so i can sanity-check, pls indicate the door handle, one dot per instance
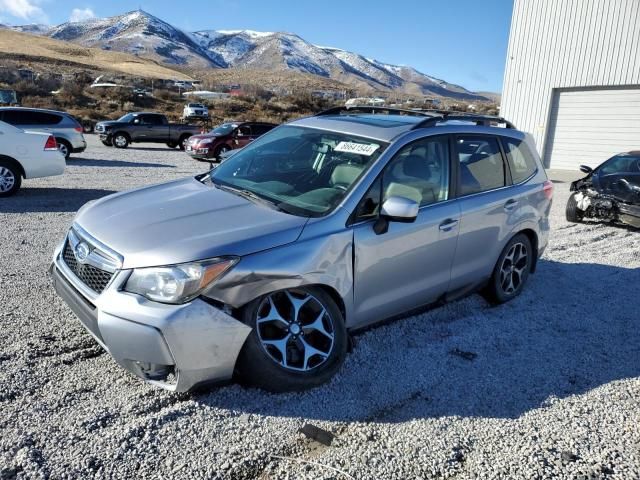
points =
(510, 205)
(448, 224)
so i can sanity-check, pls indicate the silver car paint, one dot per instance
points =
(370, 276)
(183, 221)
(65, 129)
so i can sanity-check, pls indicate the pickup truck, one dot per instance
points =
(144, 127)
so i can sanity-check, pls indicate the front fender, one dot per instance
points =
(324, 260)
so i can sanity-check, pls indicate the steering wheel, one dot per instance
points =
(341, 187)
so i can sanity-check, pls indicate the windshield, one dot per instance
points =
(622, 163)
(224, 129)
(196, 105)
(127, 118)
(301, 170)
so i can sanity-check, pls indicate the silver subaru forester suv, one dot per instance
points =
(261, 268)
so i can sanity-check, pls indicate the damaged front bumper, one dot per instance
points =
(175, 347)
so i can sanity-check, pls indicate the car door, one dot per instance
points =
(410, 264)
(487, 206)
(620, 177)
(151, 129)
(242, 136)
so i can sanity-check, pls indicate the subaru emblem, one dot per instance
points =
(81, 252)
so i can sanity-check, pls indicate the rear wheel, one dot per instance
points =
(572, 212)
(511, 271)
(120, 140)
(172, 144)
(298, 340)
(183, 142)
(10, 179)
(64, 147)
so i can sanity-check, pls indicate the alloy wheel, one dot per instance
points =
(7, 179)
(514, 264)
(63, 149)
(120, 141)
(295, 330)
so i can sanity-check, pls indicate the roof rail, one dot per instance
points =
(372, 109)
(483, 120)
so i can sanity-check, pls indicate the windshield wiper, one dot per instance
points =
(251, 195)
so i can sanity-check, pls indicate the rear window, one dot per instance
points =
(30, 118)
(521, 160)
(260, 129)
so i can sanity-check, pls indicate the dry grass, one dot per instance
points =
(32, 48)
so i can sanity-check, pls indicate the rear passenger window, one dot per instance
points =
(30, 117)
(521, 161)
(481, 164)
(260, 129)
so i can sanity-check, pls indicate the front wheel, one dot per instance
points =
(107, 143)
(511, 271)
(298, 341)
(10, 179)
(120, 140)
(572, 212)
(220, 151)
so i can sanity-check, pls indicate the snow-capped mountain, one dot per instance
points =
(141, 33)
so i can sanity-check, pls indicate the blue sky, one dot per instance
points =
(461, 41)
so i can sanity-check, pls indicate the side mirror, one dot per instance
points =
(586, 169)
(396, 209)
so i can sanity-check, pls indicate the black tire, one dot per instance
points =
(107, 143)
(220, 150)
(120, 140)
(183, 142)
(572, 212)
(172, 144)
(64, 147)
(258, 368)
(499, 290)
(10, 178)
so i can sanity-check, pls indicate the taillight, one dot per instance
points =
(547, 188)
(78, 129)
(51, 143)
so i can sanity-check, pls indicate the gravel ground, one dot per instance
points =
(549, 387)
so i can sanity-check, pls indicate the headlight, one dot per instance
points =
(177, 283)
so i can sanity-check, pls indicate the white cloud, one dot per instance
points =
(80, 14)
(24, 9)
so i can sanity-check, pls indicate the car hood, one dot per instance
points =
(183, 221)
(197, 138)
(111, 123)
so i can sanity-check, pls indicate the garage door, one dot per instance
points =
(589, 126)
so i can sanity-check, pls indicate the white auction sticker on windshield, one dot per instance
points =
(357, 148)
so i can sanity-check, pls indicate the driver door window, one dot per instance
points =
(419, 171)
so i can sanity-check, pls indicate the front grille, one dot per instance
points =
(94, 278)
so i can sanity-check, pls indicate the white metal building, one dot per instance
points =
(572, 78)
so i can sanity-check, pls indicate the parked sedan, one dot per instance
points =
(66, 130)
(26, 155)
(224, 138)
